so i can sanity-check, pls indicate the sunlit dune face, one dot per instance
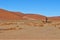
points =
(8, 15)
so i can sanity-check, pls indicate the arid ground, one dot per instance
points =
(17, 25)
(29, 29)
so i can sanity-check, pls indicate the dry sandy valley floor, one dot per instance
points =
(29, 29)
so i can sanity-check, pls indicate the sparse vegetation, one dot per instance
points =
(49, 21)
(8, 29)
(17, 26)
(58, 27)
(20, 28)
(9, 23)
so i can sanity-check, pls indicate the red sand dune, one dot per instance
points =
(8, 15)
(34, 17)
(55, 18)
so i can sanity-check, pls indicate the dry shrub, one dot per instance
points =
(53, 25)
(58, 27)
(44, 22)
(17, 26)
(8, 23)
(12, 28)
(47, 22)
(41, 25)
(58, 24)
(9, 29)
(29, 24)
(38, 24)
(3, 29)
(20, 28)
(35, 24)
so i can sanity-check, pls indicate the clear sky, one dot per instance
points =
(43, 7)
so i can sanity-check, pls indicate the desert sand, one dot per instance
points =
(29, 29)
(16, 25)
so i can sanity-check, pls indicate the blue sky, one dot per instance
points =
(43, 7)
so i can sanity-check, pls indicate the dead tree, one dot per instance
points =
(46, 19)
